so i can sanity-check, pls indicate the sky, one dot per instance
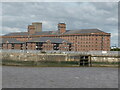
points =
(16, 16)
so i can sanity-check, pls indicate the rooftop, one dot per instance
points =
(81, 31)
(10, 40)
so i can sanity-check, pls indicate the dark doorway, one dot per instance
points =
(84, 60)
(39, 45)
(56, 46)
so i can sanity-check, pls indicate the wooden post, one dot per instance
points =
(90, 64)
(79, 60)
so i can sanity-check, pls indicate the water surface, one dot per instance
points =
(59, 77)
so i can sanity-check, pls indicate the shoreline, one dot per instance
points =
(55, 64)
(107, 66)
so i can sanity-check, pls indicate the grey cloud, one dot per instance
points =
(75, 15)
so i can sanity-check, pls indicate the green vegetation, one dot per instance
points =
(41, 63)
(108, 63)
(54, 63)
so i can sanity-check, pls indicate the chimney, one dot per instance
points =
(38, 26)
(62, 27)
(31, 29)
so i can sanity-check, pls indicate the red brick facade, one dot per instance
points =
(80, 41)
(31, 29)
(62, 27)
(89, 42)
(48, 46)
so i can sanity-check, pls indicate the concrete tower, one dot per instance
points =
(38, 26)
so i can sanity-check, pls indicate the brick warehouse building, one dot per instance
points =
(61, 39)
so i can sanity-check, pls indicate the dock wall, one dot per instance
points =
(21, 56)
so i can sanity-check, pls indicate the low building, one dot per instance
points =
(42, 43)
(12, 43)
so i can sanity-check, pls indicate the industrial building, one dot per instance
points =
(65, 40)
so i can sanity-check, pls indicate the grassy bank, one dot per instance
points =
(109, 63)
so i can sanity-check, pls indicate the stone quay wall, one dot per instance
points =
(23, 56)
(34, 57)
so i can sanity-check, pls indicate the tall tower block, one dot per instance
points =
(38, 26)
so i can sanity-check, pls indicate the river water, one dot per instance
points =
(59, 77)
